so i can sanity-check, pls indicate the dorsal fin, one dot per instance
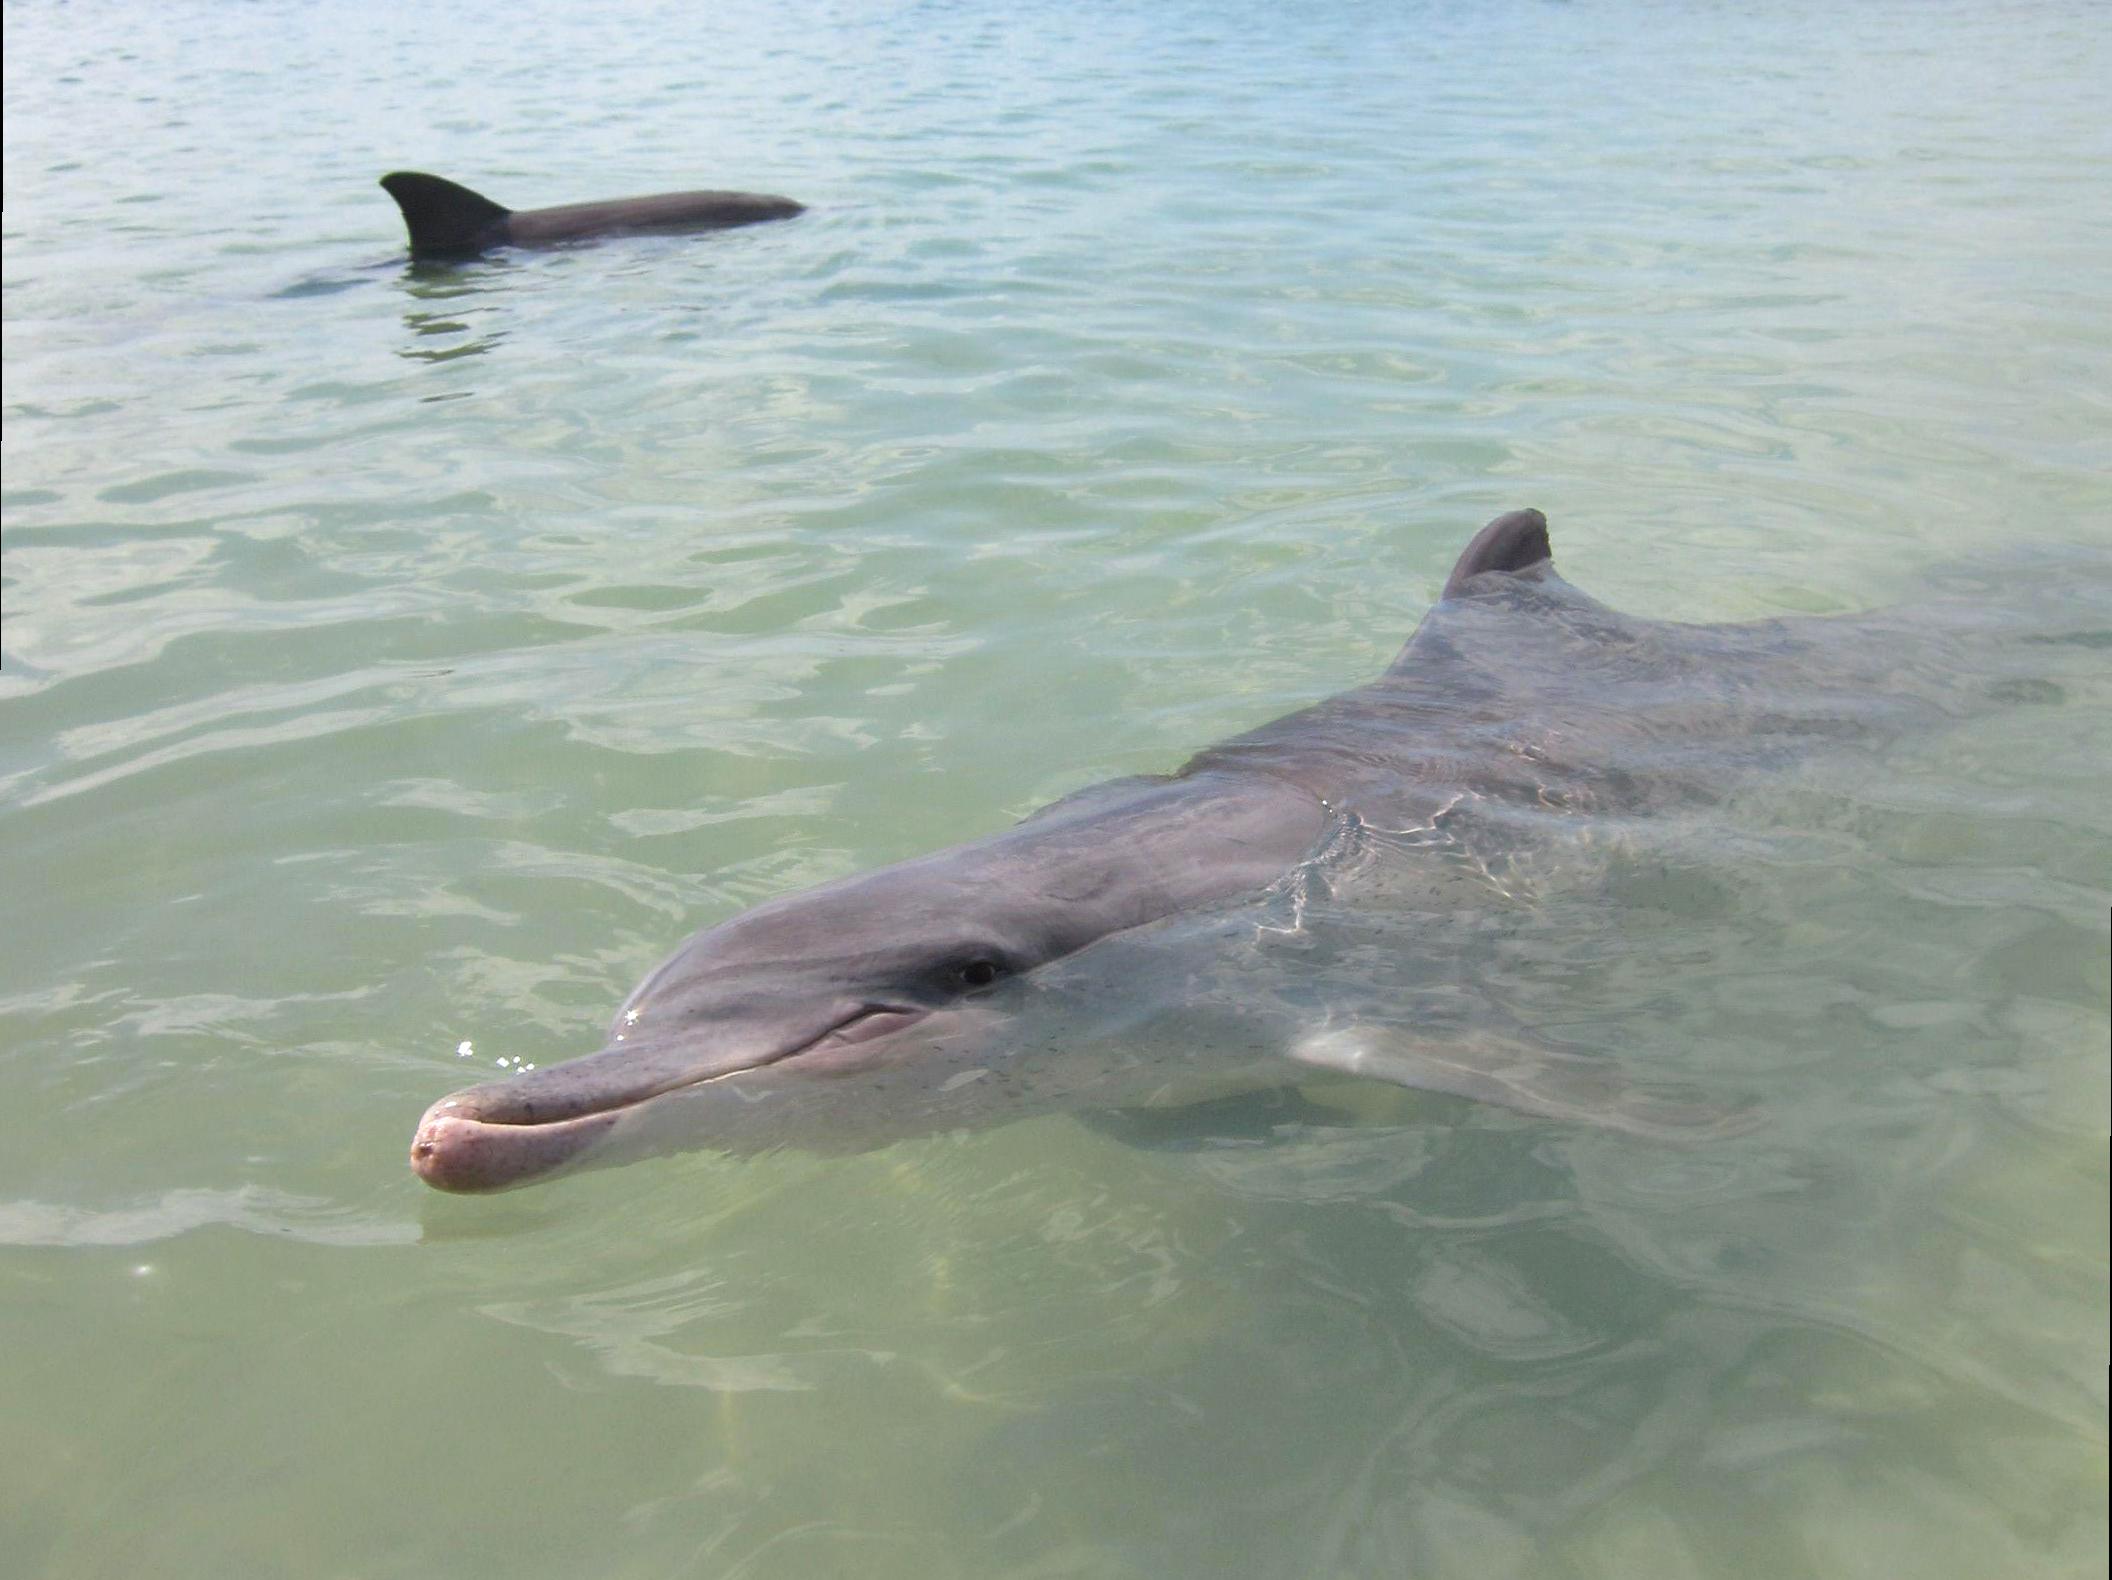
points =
(445, 220)
(1516, 542)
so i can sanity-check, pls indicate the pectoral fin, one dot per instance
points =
(1515, 1070)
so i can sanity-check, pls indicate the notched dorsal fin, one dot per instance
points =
(444, 219)
(1516, 542)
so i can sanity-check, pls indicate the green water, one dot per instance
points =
(396, 658)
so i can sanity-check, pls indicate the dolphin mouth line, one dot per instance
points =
(466, 1152)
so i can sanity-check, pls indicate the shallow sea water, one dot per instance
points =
(396, 657)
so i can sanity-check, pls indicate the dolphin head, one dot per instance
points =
(918, 968)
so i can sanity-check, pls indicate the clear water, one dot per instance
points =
(397, 657)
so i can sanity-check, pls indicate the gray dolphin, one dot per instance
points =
(450, 221)
(1113, 948)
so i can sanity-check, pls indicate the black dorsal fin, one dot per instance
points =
(445, 220)
(1516, 542)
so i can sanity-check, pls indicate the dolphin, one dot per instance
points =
(450, 221)
(1125, 946)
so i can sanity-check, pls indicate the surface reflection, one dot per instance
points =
(451, 306)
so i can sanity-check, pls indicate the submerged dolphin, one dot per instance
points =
(1105, 951)
(450, 221)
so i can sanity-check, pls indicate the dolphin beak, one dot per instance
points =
(456, 1152)
(510, 1132)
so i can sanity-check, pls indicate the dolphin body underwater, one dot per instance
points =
(1256, 917)
(450, 221)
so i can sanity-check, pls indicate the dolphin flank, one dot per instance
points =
(1109, 950)
(450, 221)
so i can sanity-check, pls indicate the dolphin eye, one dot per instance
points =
(981, 973)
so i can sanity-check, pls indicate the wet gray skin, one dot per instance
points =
(1113, 949)
(450, 221)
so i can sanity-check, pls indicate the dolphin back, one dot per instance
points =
(445, 220)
